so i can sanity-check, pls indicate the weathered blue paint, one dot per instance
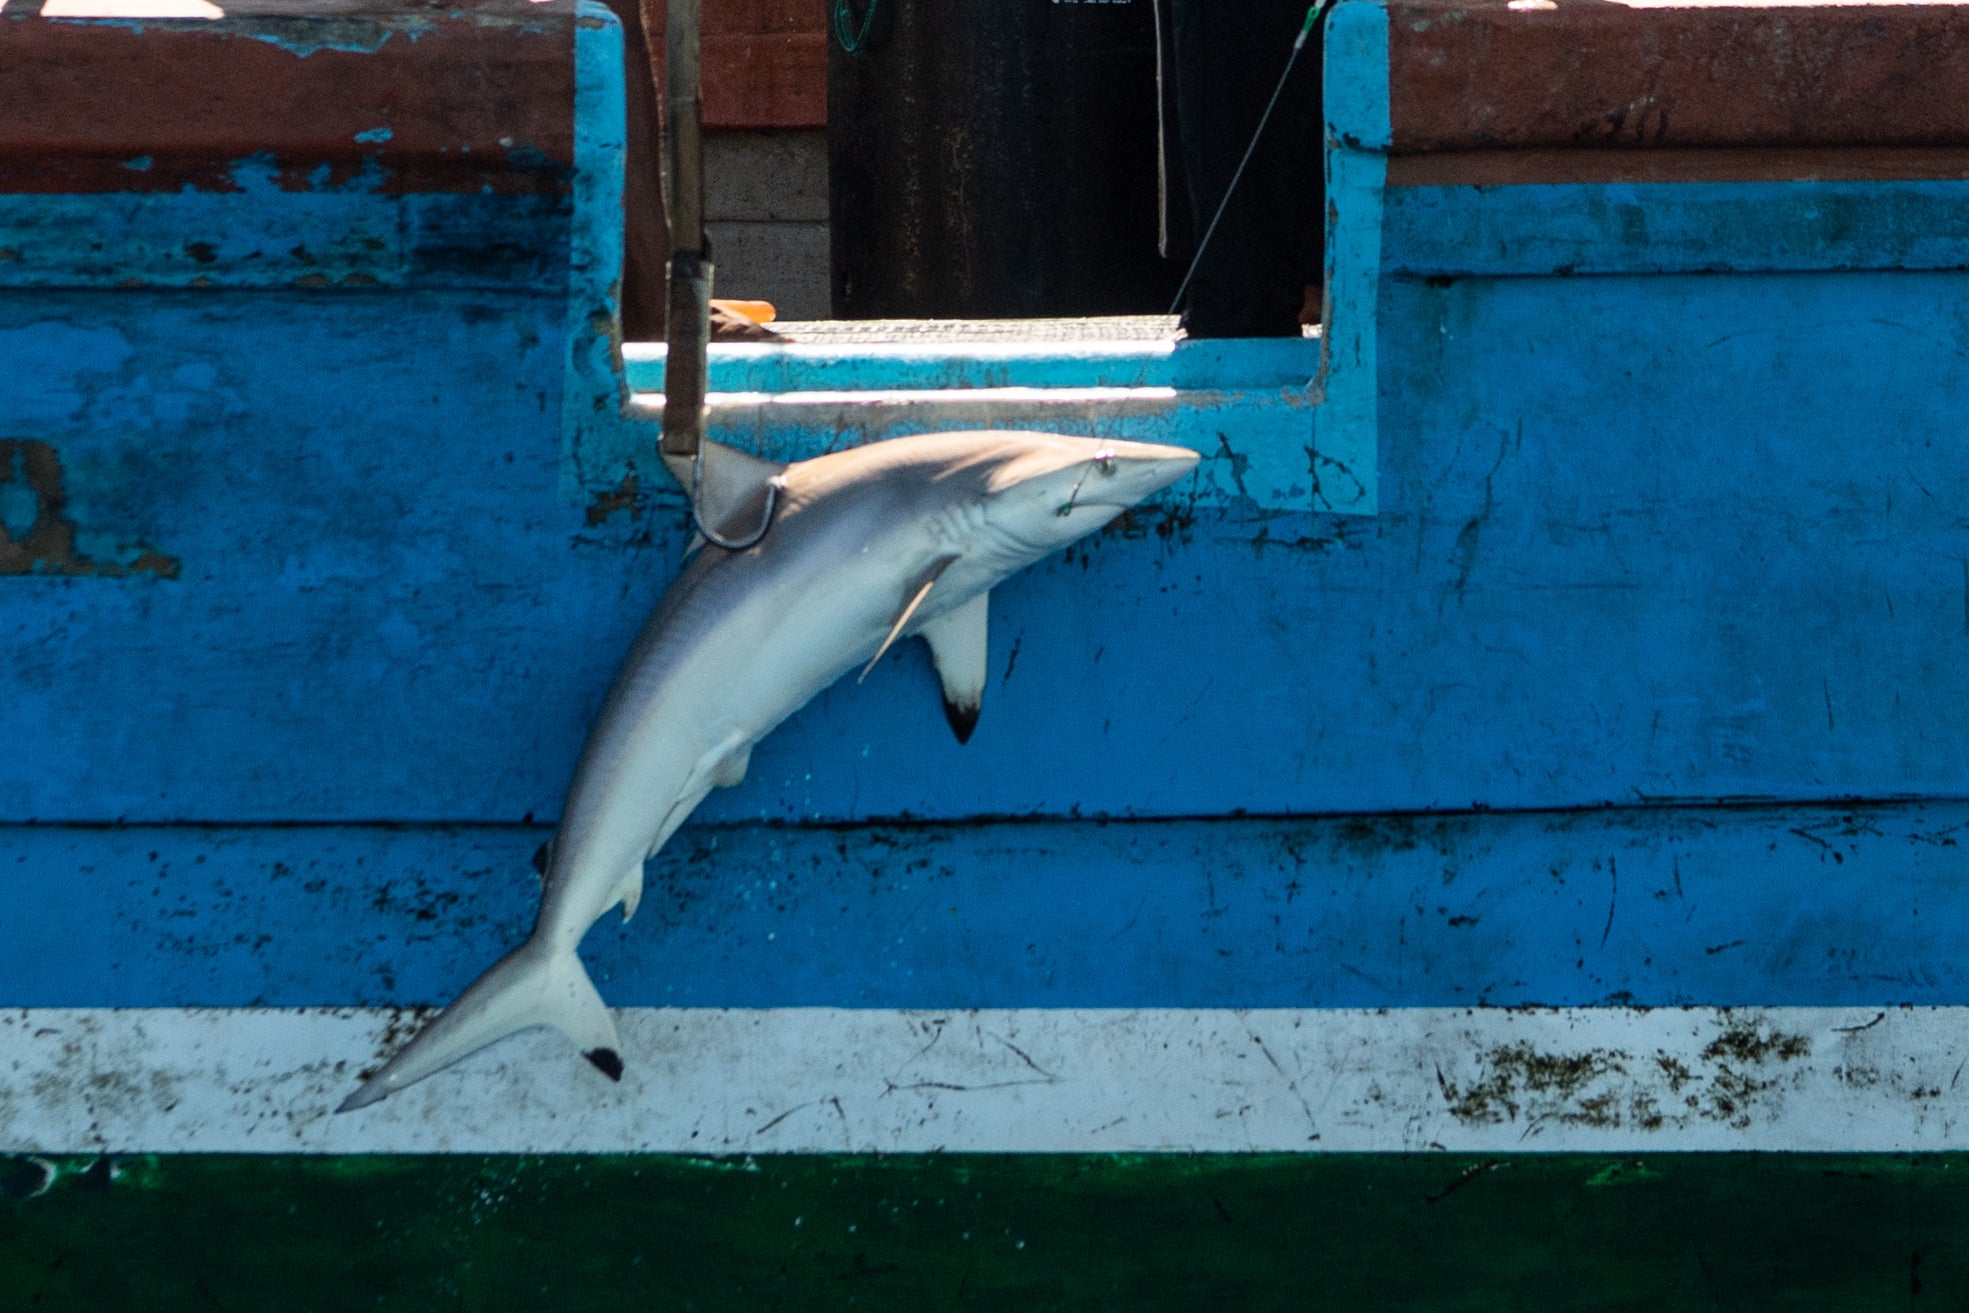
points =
(1357, 137)
(1206, 365)
(1678, 227)
(593, 396)
(349, 236)
(1256, 456)
(1680, 562)
(1246, 407)
(1779, 906)
(1644, 538)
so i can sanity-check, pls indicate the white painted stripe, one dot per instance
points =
(829, 1081)
(952, 405)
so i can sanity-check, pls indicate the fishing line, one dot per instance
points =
(1298, 44)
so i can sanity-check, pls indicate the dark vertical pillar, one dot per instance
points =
(1226, 60)
(646, 231)
(995, 158)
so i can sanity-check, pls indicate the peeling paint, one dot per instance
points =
(45, 544)
(623, 498)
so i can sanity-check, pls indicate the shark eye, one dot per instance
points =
(1104, 461)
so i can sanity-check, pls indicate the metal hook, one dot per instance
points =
(711, 535)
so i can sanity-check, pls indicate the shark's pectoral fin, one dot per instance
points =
(957, 645)
(913, 600)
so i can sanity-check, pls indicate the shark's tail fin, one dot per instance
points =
(537, 984)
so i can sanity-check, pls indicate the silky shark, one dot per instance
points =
(866, 546)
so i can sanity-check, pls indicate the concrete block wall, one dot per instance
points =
(765, 116)
(766, 207)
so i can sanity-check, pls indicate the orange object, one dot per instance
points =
(759, 312)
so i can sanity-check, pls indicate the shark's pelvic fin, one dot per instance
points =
(723, 766)
(957, 645)
(909, 605)
(537, 984)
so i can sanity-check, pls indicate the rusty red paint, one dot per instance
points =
(450, 101)
(1472, 76)
(765, 62)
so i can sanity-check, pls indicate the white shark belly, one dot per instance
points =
(684, 719)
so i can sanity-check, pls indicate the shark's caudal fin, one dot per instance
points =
(536, 984)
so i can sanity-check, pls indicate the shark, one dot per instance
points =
(863, 547)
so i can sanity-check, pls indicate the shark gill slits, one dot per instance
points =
(607, 1061)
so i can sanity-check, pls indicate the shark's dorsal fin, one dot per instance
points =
(910, 603)
(957, 645)
(732, 489)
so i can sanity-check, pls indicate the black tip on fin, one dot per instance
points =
(962, 719)
(607, 1061)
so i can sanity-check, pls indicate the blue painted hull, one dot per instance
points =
(1582, 621)
(1759, 906)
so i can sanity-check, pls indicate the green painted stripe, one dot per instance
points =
(1018, 1233)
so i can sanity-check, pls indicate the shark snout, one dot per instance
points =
(1137, 470)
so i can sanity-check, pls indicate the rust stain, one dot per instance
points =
(400, 1025)
(48, 545)
(1167, 520)
(75, 1079)
(623, 497)
(1520, 1071)
(1729, 1082)
(1746, 1042)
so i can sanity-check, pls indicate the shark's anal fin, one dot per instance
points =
(909, 605)
(957, 645)
(629, 890)
(730, 772)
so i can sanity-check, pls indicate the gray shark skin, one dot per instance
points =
(895, 539)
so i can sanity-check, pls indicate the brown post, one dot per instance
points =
(689, 326)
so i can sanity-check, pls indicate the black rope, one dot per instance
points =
(1298, 44)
